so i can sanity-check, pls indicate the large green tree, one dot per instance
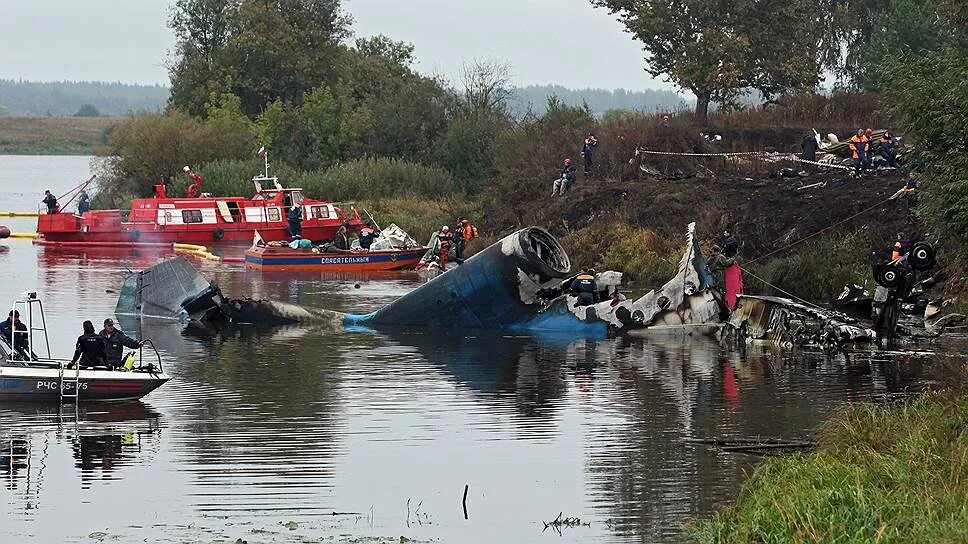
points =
(717, 49)
(258, 50)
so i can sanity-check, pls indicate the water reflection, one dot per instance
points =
(102, 440)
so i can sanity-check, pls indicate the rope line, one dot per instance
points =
(787, 293)
(819, 232)
(762, 155)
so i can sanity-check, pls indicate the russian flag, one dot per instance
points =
(262, 152)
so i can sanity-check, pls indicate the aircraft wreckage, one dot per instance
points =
(519, 284)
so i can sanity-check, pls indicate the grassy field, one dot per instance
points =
(890, 474)
(53, 135)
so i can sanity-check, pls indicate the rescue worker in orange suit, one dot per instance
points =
(195, 188)
(588, 152)
(584, 287)
(446, 239)
(900, 247)
(888, 149)
(858, 145)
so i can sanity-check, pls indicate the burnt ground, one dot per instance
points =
(766, 211)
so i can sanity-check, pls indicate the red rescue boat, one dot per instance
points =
(204, 219)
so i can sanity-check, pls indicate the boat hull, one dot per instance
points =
(43, 384)
(206, 236)
(286, 259)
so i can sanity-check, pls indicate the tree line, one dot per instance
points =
(91, 98)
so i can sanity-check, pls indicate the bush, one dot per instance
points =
(642, 255)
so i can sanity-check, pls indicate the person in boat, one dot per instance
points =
(446, 239)
(367, 235)
(342, 239)
(91, 348)
(115, 342)
(50, 201)
(295, 221)
(584, 287)
(14, 332)
(83, 202)
(300, 243)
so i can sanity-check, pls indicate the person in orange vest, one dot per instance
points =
(900, 247)
(367, 234)
(463, 234)
(858, 145)
(446, 239)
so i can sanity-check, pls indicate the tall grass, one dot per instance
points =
(881, 474)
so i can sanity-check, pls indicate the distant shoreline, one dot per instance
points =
(54, 135)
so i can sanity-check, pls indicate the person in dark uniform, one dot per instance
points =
(729, 244)
(588, 152)
(809, 145)
(50, 201)
(584, 287)
(367, 235)
(460, 242)
(115, 342)
(295, 221)
(83, 203)
(16, 328)
(90, 348)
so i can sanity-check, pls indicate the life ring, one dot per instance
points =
(135, 235)
(218, 233)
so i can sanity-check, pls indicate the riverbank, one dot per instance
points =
(880, 474)
(54, 135)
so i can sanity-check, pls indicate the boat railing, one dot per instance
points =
(150, 367)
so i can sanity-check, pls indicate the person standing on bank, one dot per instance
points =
(115, 342)
(588, 152)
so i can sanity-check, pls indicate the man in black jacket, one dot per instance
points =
(90, 348)
(14, 327)
(115, 342)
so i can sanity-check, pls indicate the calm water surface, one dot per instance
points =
(367, 437)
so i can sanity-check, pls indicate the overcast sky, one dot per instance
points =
(568, 42)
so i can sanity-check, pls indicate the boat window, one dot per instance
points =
(319, 212)
(274, 214)
(191, 216)
(297, 198)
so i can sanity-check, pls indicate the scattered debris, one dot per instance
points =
(560, 523)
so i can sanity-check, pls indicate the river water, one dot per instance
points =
(300, 435)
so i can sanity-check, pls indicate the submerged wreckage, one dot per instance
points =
(519, 284)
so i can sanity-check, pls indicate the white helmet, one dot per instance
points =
(445, 228)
